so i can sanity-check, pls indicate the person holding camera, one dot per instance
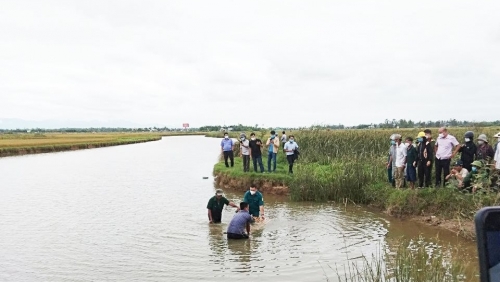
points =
(273, 144)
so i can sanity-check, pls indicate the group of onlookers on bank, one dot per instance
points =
(477, 168)
(252, 149)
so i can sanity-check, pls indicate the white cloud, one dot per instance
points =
(276, 63)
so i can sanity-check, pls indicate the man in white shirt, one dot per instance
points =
(497, 152)
(445, 145)
(400, 161)
(458, 173)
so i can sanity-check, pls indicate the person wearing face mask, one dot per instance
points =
(227, 147)
(424, 159)
(255, 201)
(477, 178)
(290, 148)
(256, 153)
(484, 150)
(273, 144)
(411, 162)
(391, 162)
(445, 146)
(467, 150)
(401, 152)
(245, 152)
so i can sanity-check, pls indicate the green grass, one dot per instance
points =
(281, 175)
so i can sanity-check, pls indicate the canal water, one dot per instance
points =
(138, 213)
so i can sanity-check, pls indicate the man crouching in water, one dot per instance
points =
(240, 222)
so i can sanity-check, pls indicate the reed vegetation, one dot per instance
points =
(411, 260)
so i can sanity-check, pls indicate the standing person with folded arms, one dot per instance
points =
(444, 148)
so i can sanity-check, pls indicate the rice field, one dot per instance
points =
(18, 144)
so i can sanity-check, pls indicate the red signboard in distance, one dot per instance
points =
(185, 125)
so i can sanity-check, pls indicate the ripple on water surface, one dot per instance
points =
(137, 213)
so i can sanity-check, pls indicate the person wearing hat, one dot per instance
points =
(467, 150)
(245, 152)
(484, 150)
(425, 158)
(476, 179)
(457, 174)
(216, 205)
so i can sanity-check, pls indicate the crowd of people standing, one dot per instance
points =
(477, 167)
(252, 150)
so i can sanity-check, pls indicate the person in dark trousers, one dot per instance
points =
(256, 152)
(216, 205)
(227, 147)
(467, 150)
(290, 148)
(425, 157)
(411, 162)
(444, 148)
(240, 223)
(273, 144)
(245, 152)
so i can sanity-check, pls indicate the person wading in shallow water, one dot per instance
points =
(240, 223)
(216, 205)
(255, 201)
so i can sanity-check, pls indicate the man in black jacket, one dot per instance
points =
(424, 159)
(467, 150)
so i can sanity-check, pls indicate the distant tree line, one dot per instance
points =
(402, 123)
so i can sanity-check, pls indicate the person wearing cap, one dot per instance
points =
(484, 150)
(273, 144)
(240, 223)
(216, 205)
(467, 150)
(227, 147)
(425, 157)
(245, 152)
(290, 148)
(255, 200)
(477, 178)
(457, 174)
(445, 145)
(401, 152)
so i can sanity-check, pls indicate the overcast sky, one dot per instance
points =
(276, 63)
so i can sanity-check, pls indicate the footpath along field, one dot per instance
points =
(25, 143)
(349, 166)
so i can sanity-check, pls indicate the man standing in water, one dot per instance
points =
(227, 146)
(255, 201)
(216, 205)
(240, 222)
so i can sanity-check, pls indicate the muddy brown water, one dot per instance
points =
(138, 213)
